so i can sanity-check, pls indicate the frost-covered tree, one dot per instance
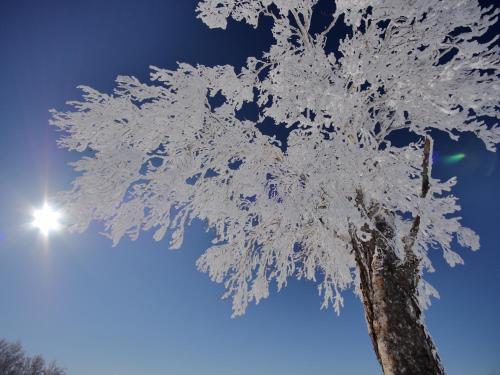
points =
(14, 361)
(339, 204)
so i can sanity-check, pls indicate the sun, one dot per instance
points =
(46, 219)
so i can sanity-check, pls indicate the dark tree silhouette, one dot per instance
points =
(14, 361)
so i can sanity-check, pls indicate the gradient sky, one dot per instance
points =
(141, 309)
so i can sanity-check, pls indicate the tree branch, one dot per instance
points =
(303, 31)
(410, 239)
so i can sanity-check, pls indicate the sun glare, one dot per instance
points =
(46, 219)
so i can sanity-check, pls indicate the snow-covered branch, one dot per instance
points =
(156, 156)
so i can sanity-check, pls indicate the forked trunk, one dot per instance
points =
(393, 315)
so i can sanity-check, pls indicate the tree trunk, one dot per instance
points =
(393, 315)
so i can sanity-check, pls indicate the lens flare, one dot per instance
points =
(455, 158)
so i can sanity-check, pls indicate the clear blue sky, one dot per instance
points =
(141, 309)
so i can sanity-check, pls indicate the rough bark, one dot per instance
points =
(389, 288)
(394, 318)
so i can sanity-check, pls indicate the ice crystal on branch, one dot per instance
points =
(162, 155)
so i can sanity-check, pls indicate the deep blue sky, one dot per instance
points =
(141, 309)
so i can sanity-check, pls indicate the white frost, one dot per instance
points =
(159, 156)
